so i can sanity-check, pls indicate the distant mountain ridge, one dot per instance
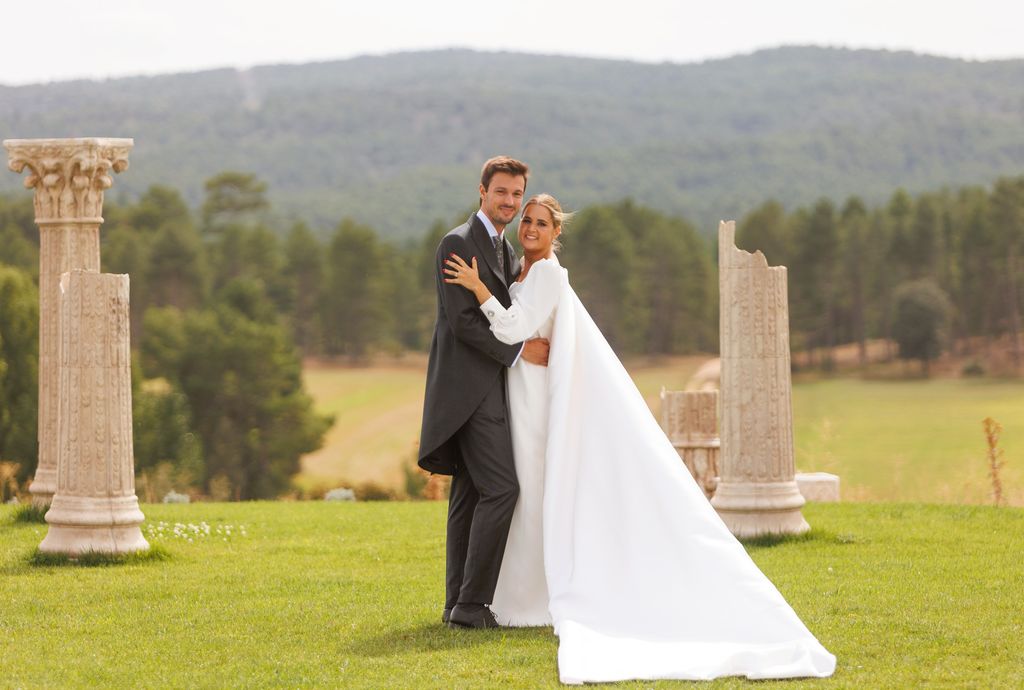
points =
(396, 141)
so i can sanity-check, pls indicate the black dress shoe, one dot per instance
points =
(475, 616)
(445, 615)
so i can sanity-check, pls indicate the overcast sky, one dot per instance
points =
(64, 39)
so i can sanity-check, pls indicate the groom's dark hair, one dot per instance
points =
(503, 164)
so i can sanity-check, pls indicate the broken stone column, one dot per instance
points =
(69, 177)
(757, 493)
(690, 419)
(94, 508)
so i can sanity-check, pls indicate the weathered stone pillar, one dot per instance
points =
(690, 419)
(68, 176)
(757, 493)
(95, 507)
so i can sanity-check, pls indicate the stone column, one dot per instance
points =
(757, 493)
(68, 176)
(94, 508)
(690, 419)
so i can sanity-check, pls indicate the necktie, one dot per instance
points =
(500, 252)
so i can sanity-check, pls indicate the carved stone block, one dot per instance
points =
(690, 420)
(94, 508)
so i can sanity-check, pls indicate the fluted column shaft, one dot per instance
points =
(757, 493)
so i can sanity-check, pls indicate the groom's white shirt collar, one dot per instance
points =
(488, 224)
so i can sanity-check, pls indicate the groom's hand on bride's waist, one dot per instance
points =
(535, 351)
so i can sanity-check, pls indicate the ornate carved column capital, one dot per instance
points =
(68, 175)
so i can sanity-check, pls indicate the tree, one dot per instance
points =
(601, 259)
(921, 320)
(177, 267)
(1008, 223)
(156, 208)
(812, 275)
(232, 198)
(19, 374)
(924, 239)
(303, 275)
(766, 229)
(125, 250)
(19, 236)
(242, 379)
(357, 314)
(853, 230)
(671, 295)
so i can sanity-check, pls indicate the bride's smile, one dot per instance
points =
(537, 232)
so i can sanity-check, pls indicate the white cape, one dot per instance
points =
(645, 580)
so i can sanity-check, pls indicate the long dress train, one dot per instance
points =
(643, 579)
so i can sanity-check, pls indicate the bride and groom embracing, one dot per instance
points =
(569, 506)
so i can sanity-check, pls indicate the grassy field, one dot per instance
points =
(317, 594)
(378, 411)
(909, 440)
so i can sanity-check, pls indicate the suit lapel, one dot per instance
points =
(483, 242)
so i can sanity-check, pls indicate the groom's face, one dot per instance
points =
(503, 197)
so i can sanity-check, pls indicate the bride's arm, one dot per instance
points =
(530, 308)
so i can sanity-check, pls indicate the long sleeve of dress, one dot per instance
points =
(530, 308)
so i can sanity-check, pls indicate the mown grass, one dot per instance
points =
(340, 594)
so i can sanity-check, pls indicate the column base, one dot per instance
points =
(43, 486)
(80, 524)
(759, 509)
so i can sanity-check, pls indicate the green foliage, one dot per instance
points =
(232, 198)
(19, 237)
(162, 431)
(19, 369)
(302, 278)
(601, 259)
(241, 377)
(357, 303)
(921, 322)
(176, 275)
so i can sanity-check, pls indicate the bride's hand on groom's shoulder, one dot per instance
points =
(458, 272)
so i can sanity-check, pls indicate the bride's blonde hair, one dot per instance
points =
(558, 216)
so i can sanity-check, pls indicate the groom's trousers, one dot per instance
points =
(483, 496)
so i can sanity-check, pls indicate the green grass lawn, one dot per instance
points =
(888, 440)
(331, 595)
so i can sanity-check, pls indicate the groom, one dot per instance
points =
(465, 414)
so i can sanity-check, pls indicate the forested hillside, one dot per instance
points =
(396, 142)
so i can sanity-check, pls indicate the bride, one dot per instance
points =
(612, 542)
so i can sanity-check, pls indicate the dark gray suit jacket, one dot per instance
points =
(465, 357)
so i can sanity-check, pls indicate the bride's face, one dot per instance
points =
(537, 230)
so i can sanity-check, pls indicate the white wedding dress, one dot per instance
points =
(612, 541)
